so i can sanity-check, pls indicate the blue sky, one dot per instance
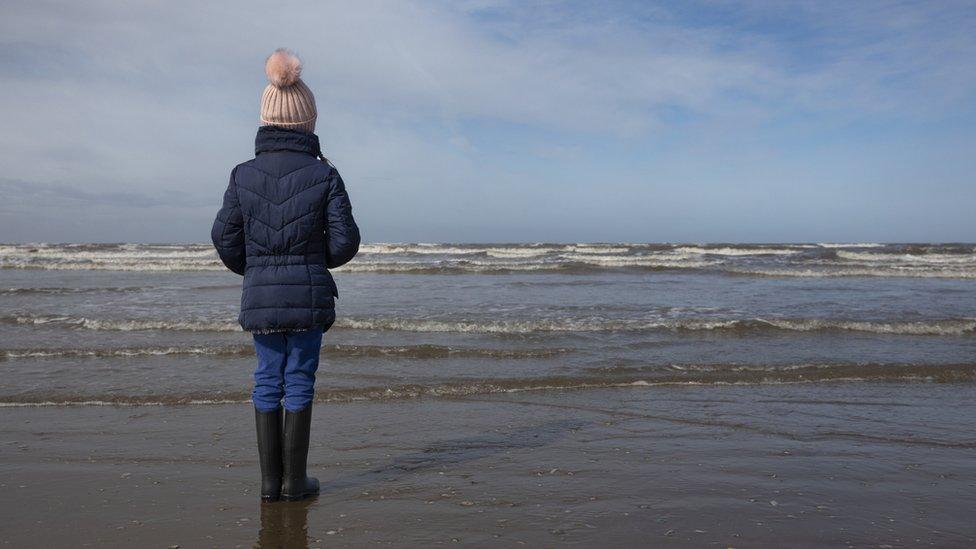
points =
(504, 121)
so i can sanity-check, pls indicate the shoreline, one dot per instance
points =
(472, 391)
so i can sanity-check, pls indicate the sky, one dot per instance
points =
(485, 121)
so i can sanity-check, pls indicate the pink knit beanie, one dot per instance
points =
(287, 101)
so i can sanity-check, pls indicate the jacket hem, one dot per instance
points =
(265, 331)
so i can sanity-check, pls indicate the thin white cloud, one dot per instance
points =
(135, 98)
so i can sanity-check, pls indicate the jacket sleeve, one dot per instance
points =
(342, 233)
(228, 231)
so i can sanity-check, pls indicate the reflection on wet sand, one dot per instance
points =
(284, 525)
(457, 451)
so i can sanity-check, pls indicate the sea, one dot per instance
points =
(155, 324)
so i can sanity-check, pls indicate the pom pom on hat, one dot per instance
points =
(287, 101)
(284, 68)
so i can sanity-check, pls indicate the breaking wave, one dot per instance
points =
(69, 291)
(124, 325)
(786, 260)
(948, 327)
(832, 272)
(424, 351)
(752, 251)
(909, 258)
(943, 327)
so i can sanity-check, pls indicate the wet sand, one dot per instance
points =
(802, 465)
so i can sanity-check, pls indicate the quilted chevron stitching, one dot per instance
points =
(279, 229)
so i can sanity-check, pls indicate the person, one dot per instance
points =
(285, 221)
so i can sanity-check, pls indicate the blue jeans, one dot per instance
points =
(287, 362)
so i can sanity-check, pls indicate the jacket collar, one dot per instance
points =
(274, 138)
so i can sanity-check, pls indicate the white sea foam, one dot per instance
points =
(128, 251)
(598, 249)
(880, 271)
(472, 266)
(128, 257)
(736, 251)
(450, 250)
(665, 260)
(124, 325)
(948, 327)
(922, 259)
(953, 327)
(122, 352)
(140, 266)
(425, 249)
(850, 245)
(528, 250)
(506, 253)
(788, 260)
(945, 327)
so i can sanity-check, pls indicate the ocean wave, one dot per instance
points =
(516, 253)
(850, 245)
(660, 260)
(834, 271)
(115, 257)
(635, 378)
(568, 263)
(944, 327)
(13, 354)
(737, 251)
(124, 325)
(67, 291)
(117, 265)
(420, 249)
(501, 251)
(449, 267)
(569, 266)
(949, 327)
(423, 351)
(928, 258)
(599, 249)
(578, 264)
(773, 260)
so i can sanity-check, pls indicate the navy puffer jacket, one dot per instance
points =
(285, 222)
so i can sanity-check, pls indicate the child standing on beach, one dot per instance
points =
(286, 220)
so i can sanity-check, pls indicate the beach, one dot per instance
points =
(627, 395)
(877, 465)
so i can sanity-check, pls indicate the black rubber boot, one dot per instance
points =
(295, 484)
(269, 449)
